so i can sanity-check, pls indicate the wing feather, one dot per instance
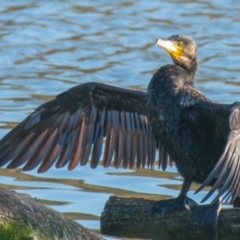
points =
(226, 172)
(71, 129)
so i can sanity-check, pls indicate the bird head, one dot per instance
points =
(182, 49)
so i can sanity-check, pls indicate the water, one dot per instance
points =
(47, 47)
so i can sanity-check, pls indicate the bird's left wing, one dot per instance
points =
(71, 129)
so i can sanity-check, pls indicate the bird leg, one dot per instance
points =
(207, 217)
(174, 204)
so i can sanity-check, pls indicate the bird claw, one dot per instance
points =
(171, 205)
(207, 217)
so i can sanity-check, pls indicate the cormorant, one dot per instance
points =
(201, 137)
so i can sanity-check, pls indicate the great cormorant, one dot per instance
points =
(201, 137)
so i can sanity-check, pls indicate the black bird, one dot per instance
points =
(201, 137)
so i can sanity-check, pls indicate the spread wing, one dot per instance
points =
(71, 128)
(226, 119)
(226, 172)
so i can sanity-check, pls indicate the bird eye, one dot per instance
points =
(179, 44)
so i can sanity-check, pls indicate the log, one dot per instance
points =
(129, 217)
(26, 218)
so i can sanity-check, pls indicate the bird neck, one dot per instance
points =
(192, 72)
(188, 70)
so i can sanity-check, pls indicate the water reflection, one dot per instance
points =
(47, 47)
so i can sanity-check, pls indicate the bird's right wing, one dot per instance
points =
(71, 128)
(226, 119)
(226, 172)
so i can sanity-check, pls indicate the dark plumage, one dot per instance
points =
(194, 130)
(66, 130)
(200, 136)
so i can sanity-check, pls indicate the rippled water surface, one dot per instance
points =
(47, 47)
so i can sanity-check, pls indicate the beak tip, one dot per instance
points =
(157, 42)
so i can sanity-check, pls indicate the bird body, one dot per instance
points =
(189, 134)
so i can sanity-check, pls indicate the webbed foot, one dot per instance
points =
(207, 217)
(171, 205)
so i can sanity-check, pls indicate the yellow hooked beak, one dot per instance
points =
(173, 48)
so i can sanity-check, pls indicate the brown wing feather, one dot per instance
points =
(71, 128)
